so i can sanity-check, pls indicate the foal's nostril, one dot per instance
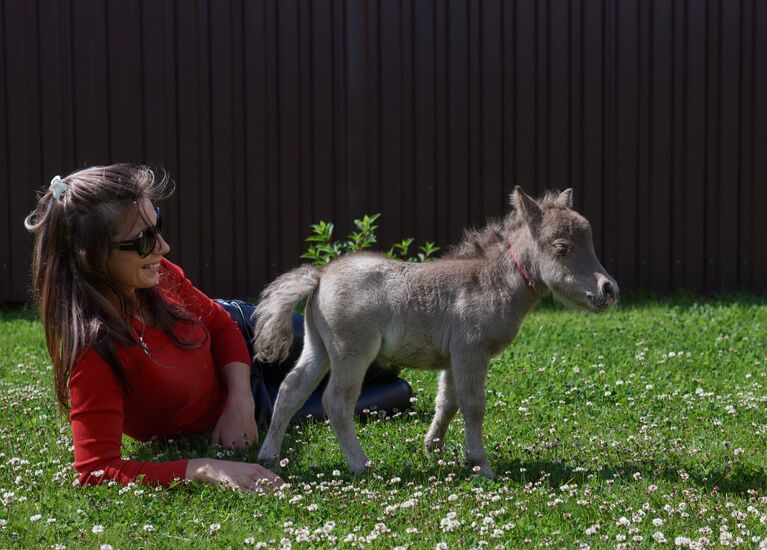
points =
(609, 291)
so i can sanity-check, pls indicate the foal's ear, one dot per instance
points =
(566, 198)
(525, 205)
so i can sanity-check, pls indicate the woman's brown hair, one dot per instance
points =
(80, 305)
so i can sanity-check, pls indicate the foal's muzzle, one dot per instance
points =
(607, 295)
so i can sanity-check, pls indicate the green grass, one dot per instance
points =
(649, 421)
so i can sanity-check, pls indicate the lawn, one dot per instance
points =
(644, 426)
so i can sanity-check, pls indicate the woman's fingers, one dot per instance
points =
(215, 438)
(264, 480)
(236, 475)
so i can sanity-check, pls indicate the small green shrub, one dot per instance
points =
(322, 248)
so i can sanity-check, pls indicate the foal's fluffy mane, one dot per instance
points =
(492, 240)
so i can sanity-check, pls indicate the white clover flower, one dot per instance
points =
(623, 522)
(148, 528)
(106, 547)
(658, 536)
(97, 529)
(593, 530)
(97, 473)
(250, 541)
(284, 462)
(36, 517)
(214, 527)
(441, 546)
(657, 522)
(682, 541)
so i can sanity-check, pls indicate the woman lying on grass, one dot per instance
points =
(136, 348)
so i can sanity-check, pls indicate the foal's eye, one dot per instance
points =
(561, 249)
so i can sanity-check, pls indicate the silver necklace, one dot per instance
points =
(141, 339)
(141, 336)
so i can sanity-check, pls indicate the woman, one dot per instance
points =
(136, 348)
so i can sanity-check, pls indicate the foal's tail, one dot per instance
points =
(274, 327)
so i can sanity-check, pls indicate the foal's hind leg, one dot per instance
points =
(299, 383)
(469, 374)
(446, 405)
(346, 375)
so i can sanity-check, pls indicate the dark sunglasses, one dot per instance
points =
(146, 242)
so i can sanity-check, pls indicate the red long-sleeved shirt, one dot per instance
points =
(175, 390)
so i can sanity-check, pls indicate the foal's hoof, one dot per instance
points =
(359, 469)
(270, 463)
(484, 471)
(433, 451)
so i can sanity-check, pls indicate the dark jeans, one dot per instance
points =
(381, 390)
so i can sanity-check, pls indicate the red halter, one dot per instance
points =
(519, 268)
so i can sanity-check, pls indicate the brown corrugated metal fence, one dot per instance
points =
(274, 114)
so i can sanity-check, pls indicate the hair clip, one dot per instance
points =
(58, 187)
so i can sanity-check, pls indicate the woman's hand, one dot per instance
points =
(236, 427)
(237, 475)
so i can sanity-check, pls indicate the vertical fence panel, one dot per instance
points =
(190, 107)
(746, 135)
(659, 185)
(759, 154)
(7, 266)
(425, 188)
(691, 223)
(271, 115)
(713, 143)
(558, 109)
(591, 200)
(22, 117)
(123, 40)
(493, 108)
(391, 97)
(730, 176)
(458, 113)
(223, 116)
(91, 92)
(576, 100)
(256, 202)
(56, 90)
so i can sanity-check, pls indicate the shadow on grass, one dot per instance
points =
(16, 312)
(680, 299)
(724, 479)
(734, 479)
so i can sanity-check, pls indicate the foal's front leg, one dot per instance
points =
(469, 369)
(445, 407)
